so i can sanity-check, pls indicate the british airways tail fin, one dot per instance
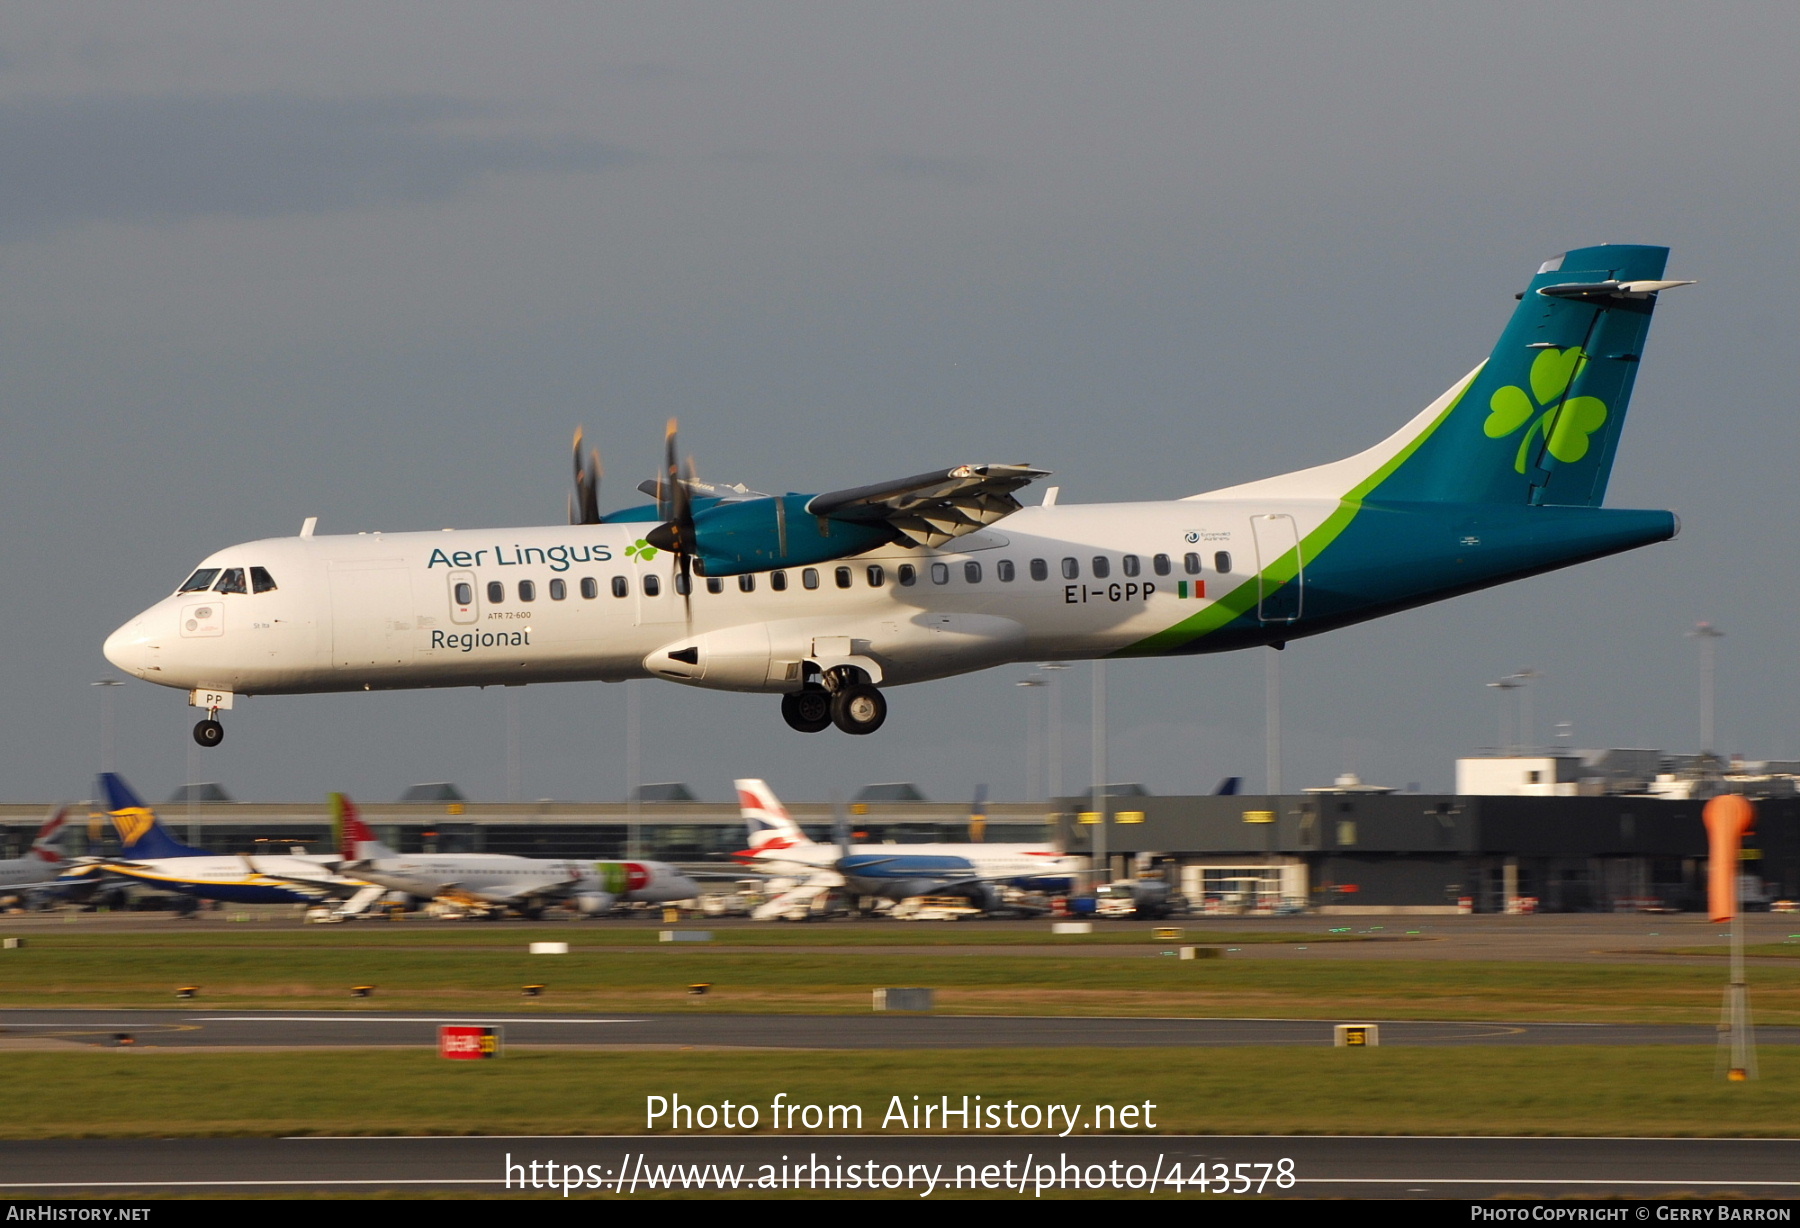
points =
(1539, 421)
(141, 834)
(46, 846)
(355, 841)
(766, 818)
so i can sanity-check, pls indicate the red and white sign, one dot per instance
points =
(468, 1042)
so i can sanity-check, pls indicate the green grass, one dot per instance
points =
(424, 970)
(1547, 1091)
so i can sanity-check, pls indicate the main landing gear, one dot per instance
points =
(855, 706)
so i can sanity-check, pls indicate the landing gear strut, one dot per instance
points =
(808, 711)
(209, 732)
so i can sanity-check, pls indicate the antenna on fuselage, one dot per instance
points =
(308, 525)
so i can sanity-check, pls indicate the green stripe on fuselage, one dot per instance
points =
(1244, 598)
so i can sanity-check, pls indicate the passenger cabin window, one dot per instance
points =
(972, 572)
(559, 591)
(877, 577)
(200, 581)
(683, 585)
(1071, 569)
(231, 582)
(714, 584)
(747, 582)
(496, 592)
(842, 576)
(909, 575)
(652, 586)
(778, 581)
(464, 593)
(810, 577)
(1003, 570)
(940, 573)
(1160, 565)
(590, 588)
(1129, 564)
(261, 581)
(1102, 568)
(1040, 570)
(1190, 563)
(1222, 562)
(527, 590)
(621, 587)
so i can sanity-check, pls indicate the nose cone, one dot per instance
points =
(127, 647)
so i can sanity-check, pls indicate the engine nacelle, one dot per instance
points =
(593, 903)
(746, 535)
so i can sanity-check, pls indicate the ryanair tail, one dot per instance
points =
(141, 834)
(1538, 423)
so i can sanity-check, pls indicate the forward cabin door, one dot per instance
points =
(1280, 571)
(371, 613)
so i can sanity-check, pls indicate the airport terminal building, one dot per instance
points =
(1337, 851)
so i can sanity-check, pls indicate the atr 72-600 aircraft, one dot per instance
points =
(824, 599)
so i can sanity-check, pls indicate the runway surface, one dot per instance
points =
(1307, 1167)
(309, 1029)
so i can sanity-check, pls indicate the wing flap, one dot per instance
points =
(929, 509)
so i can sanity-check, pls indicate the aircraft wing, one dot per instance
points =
(929, 509)
(335, 888)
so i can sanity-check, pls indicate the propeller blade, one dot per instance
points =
(590, 507)
(584, 504)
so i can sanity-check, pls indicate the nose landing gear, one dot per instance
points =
(209, 732)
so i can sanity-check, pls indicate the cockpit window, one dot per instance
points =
(231, 582)
(261, 581)
(200, 581)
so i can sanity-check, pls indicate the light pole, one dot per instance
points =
(1054, 733)
(1102, 801)
(1031, 736)
(1527, 727)
(514, 773)
(1709, 636)
(1272, 718)
(1506, 686)
(106, 686)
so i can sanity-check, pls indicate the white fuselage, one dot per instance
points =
(19, 873)
(497, 878)
(281, 878)
(512, 606)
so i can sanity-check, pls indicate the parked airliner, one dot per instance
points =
(152, 856)
(825, 599)
(497, 881)
(893, 872)
(44, 862)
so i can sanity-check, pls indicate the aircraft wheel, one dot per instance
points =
(807, 711)
(858, 709)
(209, 733)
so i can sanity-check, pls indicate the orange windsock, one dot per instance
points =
(1728, 820)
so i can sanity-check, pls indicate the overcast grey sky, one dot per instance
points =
(373, 263)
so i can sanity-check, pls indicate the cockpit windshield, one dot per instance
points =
(200, 581)
(231, 582)
(261, 581)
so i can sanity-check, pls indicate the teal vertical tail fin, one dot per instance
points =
(1539, 422)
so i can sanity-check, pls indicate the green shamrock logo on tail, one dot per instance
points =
(640, 550)
(1565, 428)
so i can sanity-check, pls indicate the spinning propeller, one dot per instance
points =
(584, 504)
(675, 505)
